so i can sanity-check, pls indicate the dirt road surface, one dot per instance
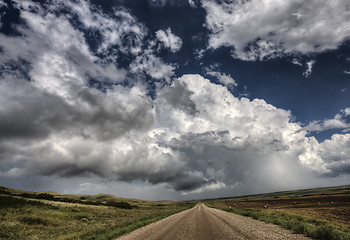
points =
(204, 223)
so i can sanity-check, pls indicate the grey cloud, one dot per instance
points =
(102, 72)
(138, 165)
(264, 144)
(179, 96)
(30, 113)
(190, 182)
(338, 170)
(232, 167)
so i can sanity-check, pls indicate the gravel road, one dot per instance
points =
(204, 223)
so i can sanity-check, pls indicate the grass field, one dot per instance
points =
(38, 215)
(322, 213)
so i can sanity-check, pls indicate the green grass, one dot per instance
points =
(27, 218)
(313, 228)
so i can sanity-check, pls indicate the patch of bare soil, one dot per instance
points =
(334, 208)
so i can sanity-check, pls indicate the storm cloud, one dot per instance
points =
(224, 141)
(70, 109)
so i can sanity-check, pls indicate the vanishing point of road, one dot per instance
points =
(204, 223)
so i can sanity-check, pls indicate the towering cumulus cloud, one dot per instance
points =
(193, 142)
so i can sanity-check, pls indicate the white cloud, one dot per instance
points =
(223, 78)
(2, 3)
(335, 152)
(346, 111)
(310, 156)
(266, 29)
(113, 29)
(158, 3)
(53, 36)
(340, 121)
(192, 3)
(245, 141)
(121, 32)
(169, 40)
(162, 3)
(297, 62)
(347, 71)
(152, 65)
(200, 53)
(308, 71)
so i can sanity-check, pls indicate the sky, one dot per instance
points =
(174, 99)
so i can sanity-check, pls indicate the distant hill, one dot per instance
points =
(290, 193)
(99, 199)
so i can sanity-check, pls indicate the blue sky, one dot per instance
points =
(161, 99)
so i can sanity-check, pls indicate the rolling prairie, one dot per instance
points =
(49, 215)
(321, 213)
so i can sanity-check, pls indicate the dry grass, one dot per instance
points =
(25, 218)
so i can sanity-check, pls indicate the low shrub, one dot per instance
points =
(13, 202)
(123, 205)
(4, 191)
(45, 196)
